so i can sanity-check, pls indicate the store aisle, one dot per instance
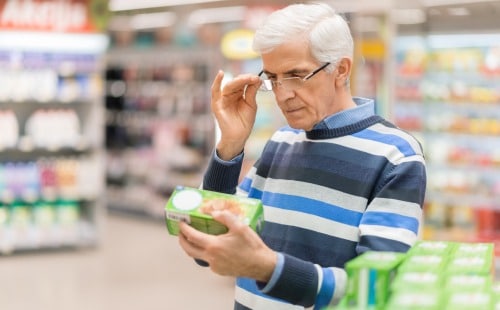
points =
(137, 266)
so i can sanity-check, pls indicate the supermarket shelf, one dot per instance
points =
(50, 103)
(159, 128)
(51, 148)
(134, 211)
(457, 122)
(140, 200)
(468, 199)
(35, 238)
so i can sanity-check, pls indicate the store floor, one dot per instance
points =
(136, 266)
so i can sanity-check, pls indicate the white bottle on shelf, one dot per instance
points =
(9, 128)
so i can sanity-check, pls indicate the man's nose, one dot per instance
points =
(282, 93)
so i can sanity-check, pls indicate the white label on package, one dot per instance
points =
(187, 200)
(179, 217)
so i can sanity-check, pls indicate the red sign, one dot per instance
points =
(53, 15)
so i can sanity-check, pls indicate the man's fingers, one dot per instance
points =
(251, 90)
(239, 84)
(226, 218)
(191, 248)
(193, 236)
(216, 85)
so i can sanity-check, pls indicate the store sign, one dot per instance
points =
(53, 15)
(237, 44)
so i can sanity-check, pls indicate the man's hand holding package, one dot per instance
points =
(239, 252)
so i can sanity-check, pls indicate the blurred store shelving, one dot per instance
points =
(51, 147)
(431, 66)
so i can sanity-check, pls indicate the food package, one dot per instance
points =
(195, 206)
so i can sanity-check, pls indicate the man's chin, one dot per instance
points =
(298, 126)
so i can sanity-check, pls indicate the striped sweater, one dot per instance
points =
(328, 195)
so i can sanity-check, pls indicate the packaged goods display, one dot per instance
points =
(460, 300)
(50, 178)
(369, 278)
(432, 275)
(447, 94)
(416, 300)
(51, 144)
(195, 206)
(41, 224)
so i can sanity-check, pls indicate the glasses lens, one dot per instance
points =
(266, 85)
(292, 83)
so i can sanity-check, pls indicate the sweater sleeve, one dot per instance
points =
(307, 284)
(222, 176)
(393, 217)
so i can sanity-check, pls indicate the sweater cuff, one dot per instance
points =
(222, 176)
(298, 282)
(266, 287)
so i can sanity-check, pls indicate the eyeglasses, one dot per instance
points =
(288, 83)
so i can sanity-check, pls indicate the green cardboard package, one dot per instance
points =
(370, 275)
(195, 206)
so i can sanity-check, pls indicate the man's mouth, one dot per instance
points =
(292, 110)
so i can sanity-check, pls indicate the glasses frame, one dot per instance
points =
(275, 84)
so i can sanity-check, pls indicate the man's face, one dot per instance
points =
(304, 107)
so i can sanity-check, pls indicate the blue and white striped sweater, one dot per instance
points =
(329, 195)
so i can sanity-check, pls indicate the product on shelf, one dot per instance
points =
(369, 279)
(20, 224)
(432, 275)
(45, 221)
(42, 223)
(195, 207)
(68, 216)
(413, 299)
(54, 129)
(470, 300)
(50, 178)
(416, 280)
(45, 78)
(41, 202)
(9, 128)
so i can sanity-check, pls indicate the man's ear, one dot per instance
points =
(343, 72)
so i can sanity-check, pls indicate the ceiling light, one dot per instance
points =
(368, 24)
(217, 15)
(450, 2)
(83, 43)
(462, 40)
(142, 21)
(434, 12)
(153, 20)
(408, 16)
(126, 5)
(458, 11)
